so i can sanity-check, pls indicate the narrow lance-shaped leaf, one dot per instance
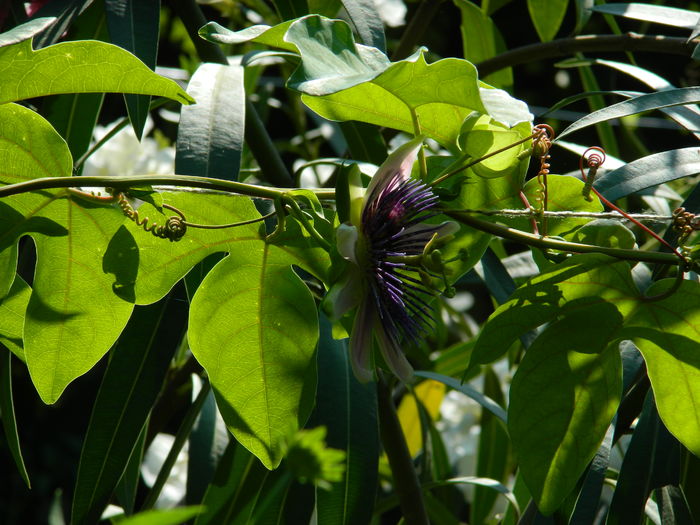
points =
(210, 133)
(7, 412)
(662, 99)
(134, 26)
(348, 409)
(129, 388)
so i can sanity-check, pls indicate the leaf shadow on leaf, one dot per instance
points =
(40, 311)
(122, 260)
(15, 224)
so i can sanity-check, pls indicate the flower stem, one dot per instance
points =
(406, 483)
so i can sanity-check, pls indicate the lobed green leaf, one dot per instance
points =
(78, 67)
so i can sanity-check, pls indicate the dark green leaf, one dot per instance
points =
(12, 309)
(562, 399)
(236, 487)
(65, 12)
(348, 409)
(7, 411)
(588, 501)
(210, 134)
(493, 454)
(651, 458)
(131, 383)
(134, 26)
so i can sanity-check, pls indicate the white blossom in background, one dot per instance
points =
(459, 423)
(124, 155)
(175, 487)
(392, 12)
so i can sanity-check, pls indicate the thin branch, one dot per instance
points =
(583, 43)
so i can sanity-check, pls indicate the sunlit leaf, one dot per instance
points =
(547, 16)
(659, 14)
(78, 67)
(239, 330)
(662, 99)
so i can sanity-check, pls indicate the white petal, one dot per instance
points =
(400, 163)
(393, 355)
(346, 241)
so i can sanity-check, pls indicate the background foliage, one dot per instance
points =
(152, 374)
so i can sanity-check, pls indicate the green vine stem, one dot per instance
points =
(141, 181)
(264, 192)
(549, 243)
(406, 483)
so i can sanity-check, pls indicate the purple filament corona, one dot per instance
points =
(390, 225)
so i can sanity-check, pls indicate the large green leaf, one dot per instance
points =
(441, 94)
(667, 332)
(78, 67)
(64, 333)
(210, 133)
(145, 267)
(130, 386)
(353, 82)
(562, 399)
(253, 327)
(597, 278)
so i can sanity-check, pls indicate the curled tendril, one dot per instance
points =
(173, 229)
(541, 146)
(594, 158)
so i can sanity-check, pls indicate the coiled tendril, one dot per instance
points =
(174, 228)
